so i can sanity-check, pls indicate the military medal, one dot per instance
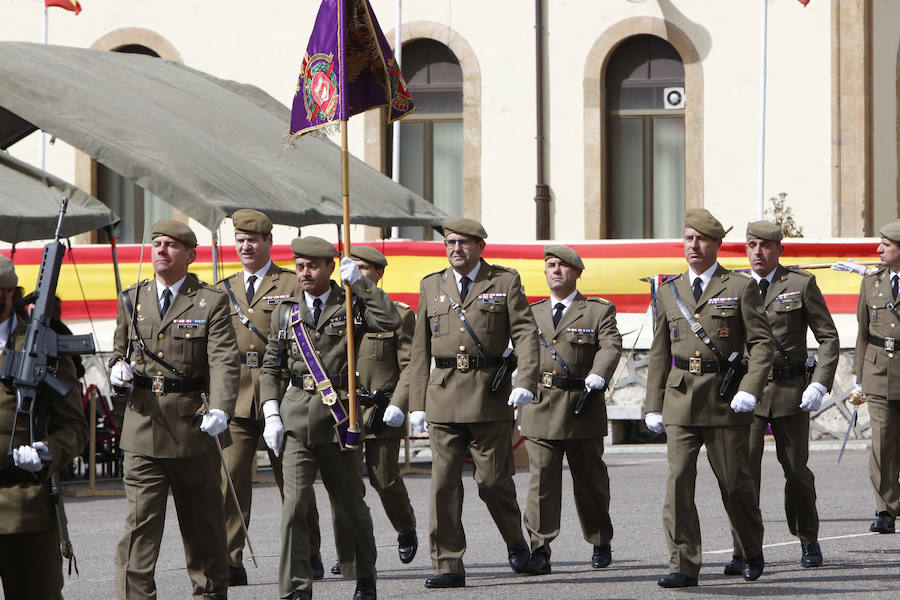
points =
(723, 332)
(202, 302)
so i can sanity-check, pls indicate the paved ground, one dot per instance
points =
(858, 564)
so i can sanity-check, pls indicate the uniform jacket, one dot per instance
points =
(304, 415)
(498, 311)
(730, 312)
(877, 369)
(278, 284)
(381, 358)
(793, 303)
(195, 336)
(588, 341)
(26, 507)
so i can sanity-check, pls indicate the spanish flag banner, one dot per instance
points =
(71, 5)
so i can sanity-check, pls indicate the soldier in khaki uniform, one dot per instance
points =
(253, 293)
(30, 560)
(580, 348)
(792, 302)
(304, 426)
(182, 353)
(683, 391)
(463, 413)
(875, 367)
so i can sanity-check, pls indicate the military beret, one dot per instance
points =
(764, 230)
(464, 226)
(174, 229)
(369, 254)
(248, 220)
(312, 247)
(702, 220)
(565, 254)
(891, 231)
(8, 277)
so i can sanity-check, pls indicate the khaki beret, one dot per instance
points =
(8, 277)
(702, 220)
(565, 254)
(369, 254)
(174, 229)
(764, 230)
(464, 226)
(248, 220)
(891, 231)
(312, 247)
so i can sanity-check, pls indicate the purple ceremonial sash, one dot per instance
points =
(330, 397)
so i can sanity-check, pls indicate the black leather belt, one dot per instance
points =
(788, 371)
(562, 382)
(308, 383)
(466, 362)
(251, 359)
(887, 343)
(15, 476)
(697, 366)
(167, 385)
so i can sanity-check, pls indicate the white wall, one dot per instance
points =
(885, 46)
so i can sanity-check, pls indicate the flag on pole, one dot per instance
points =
(348, 68)
(71, 5)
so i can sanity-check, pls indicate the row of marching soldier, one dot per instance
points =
(178, 351)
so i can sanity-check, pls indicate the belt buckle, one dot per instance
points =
(889, 344)
(694, 365)
(158, 385)
(253, 359)
(462, 362)
(547, 380)
(309, 382)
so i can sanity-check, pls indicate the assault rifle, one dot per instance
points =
(35, 364)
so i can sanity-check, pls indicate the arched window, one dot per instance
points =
(431, 138)
(645, 140)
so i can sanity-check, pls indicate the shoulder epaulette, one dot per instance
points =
(208, 286)
(433, 274)
(798, 271)
(536, 302)
(670, 280)
(402, 305)
(744, 273)
(598, 300)
(136, 285)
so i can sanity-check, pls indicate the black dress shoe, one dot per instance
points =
(676, 580)
(365, 589)
(753, 568)
(812, 555)
(407, 544)
(883, 524)
(601, 557)
(318, 570)
(336, 568)
(299, 595)
(735, 566)
(518, 556)
(237, 576)
(539, 562)
(446, 580)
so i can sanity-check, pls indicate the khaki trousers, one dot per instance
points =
(728, 454)
(590, 483)
(884, 462)
(197, 491)
(245, 435)
(490, 445)
(31, 565)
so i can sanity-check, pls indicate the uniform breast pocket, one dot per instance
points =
(379, 345)
(191, 338)
(493, 317)
(438, 319)
(584, 346)
(677, 325)
(790, 313)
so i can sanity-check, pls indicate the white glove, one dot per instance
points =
(273, 433)
(520, 397)
(417, 420)
(850, 267)
(594, 382)
(743, 402)
(122, 373)
(27, 459)
(653, 421)
(393, 416)
(214, 422)
(349, 271)
(854, 386)
(855, 396)
(812, 397)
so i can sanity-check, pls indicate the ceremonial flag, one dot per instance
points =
(348, 68)
(71, 5)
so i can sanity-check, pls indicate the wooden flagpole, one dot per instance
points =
(348, 305)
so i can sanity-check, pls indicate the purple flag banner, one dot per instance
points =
(348, 69)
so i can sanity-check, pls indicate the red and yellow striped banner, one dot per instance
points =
(612, 269)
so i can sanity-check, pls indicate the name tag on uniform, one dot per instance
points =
(275, 299)
(495, 298)
(188, 323)
(723, 303)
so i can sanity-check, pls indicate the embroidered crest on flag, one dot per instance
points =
(320, 86)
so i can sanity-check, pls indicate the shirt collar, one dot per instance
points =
(768, 277)
(310, 299)
(567, 301)
(471, 274)
(259, 274)
(160, 286)
(705, 276)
